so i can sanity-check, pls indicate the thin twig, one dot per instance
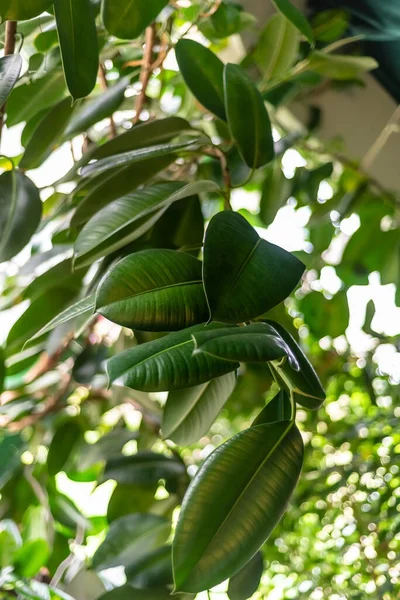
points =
(43, 498)
(104, 85)
(146, 69)
(9, 48)
(212, 10)
(67, 562)
(390, 127)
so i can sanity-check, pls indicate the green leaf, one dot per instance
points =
(22, 10)
(341, 66)
(323, 316)
(167, 364)
(26, 100)
(10, 68)
(248, 482)
(81, 307)
(203, 74)
(277, 409)
(62, 445)
(127, 19)
(189, 413)
(131, 537)
(2, 370)
(51, 278)
(133, 156)
(143, 468)
(128, 218)
(297, 372)
(276, 191)
(116, 184)
(244, 276)
(154, 290)
(130, 498)
(143, 135)
(47, 135)
(77, 33)
(128, 592)
(295, 17)
(97, 109)
(20, 212)
(277, 47)
(153, 570)
(253, 135)
(246, 581)
(253, 343)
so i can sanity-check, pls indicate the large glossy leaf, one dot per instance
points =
(97, 109)
(22, 10)
(109, 186)
(47, 135)
(234, 502)
(144, 468)
(142, 135)
(203, 74)
(81, 307)
(246, 581)
(128, 218)
(295, 17)
(277, 409)
(154, 290)
(78, 43)
(297, 372)
(127, 19)
(253, 343)
(134, 156)
(26, 100)
(129, 538)
(253, 135)
(277, 48)
(167, 364)
(244, 276)
(10, 68)
(20, 212)
(189, 413)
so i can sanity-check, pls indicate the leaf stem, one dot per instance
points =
(104, 85)
(9, 48)
(146, 70)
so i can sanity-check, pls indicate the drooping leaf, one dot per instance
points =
(167, 364)
(277, 409)
(234, 502)
(203, 74)
(253, 135)
(244, 276)
(20, 212)
(341, 66)
(77, 33)
(143, 468)
(127, 19)
(297, 372)
(189, 413)
(10, 68)
(277, 47)
(295, 17)
(130, 537)
(81, 307)
(97, 109)
(128, 218)
(154, 290)
(246, 581)
(62, 445)
(22, 10)
(253, 343)
(47, 135)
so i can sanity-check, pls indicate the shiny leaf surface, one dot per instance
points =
(10, 69)
(127, 19)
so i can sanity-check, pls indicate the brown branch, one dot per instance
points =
(146, 70)
(9, 47)
(104, 85)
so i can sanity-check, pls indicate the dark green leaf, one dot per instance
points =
(248, 481)
(127, 19)
(189, 413)
(154, 290)
(20, 212)
(203, 74)
(10, 68)
(22, 10)
(325, 317)
(130, 537)
(167, 364)
(276, 191)
(277, 409)
(253, 135)
(295, 17)
(47, 135)
(244, 276)
(11, 448)
(130, 498)
(78, 43)
(143, 468)
(62, 445)
(151, 571)
(246, 581)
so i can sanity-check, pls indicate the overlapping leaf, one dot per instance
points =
(22, 10)
(10, 68)
(127, 19)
